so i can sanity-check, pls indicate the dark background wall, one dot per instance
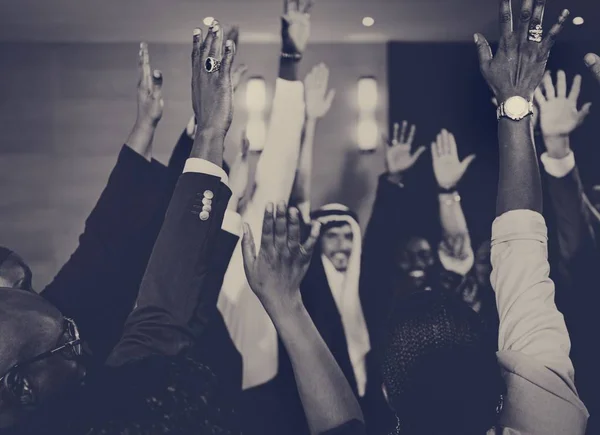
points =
(438, 85)
(66, 109)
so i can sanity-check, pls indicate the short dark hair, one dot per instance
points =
(439, 367)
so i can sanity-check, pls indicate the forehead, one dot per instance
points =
(342, 229)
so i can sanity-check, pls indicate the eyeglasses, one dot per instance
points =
(17, 384)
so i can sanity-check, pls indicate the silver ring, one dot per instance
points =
(535, 34)
(212, 65)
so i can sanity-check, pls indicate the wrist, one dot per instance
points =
(208, 145)
(145, 124)
(281, 309)
(558, 147)
(447, 189)
(396, 178)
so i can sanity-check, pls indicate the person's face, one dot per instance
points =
(483, 265)
(30, 326)
(415, 260)
(336, 245)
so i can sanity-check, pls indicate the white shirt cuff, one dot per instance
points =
(205, 167)
(558, 168)
(232, 223)
(519, 225)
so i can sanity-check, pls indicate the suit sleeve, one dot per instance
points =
(85, 285)
(178, 273)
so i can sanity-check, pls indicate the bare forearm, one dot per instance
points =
(140, 139)
(302, 183)
(326, 395)
(519, 186)
(452, 217)
(558, 146)
(208, 145)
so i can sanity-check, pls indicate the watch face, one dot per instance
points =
(516, 107)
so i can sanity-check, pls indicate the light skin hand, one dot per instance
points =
(447, 167)
(295, 29)
(318, 100)
(398, 155)
(592, 61)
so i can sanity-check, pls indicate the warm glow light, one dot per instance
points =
(368, 21)
(367, 94)
(256, 129)
(208, 21)
(578, 21)
(367, 134)
(256, 94)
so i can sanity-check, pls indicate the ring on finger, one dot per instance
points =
(535, 34)
(212, 64)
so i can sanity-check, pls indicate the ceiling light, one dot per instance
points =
(368, 21)
(208, 21)
(578, 21)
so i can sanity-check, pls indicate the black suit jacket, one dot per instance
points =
(177, 275)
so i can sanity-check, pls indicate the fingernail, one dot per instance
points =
(245, 228)
(281, 206)
(476, 38)
(143, 45)
(157, 74)
(229, 45)
(196, 32)
(214, 27)
(590, 59)
(270, 207)
(293, 212)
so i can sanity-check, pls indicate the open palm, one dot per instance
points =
(399, 156)
(447, 167)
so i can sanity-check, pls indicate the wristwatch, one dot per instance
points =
(515, 108)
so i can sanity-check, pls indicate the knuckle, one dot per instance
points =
(525, 15)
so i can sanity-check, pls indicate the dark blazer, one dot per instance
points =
(177, 275)
(96, 287)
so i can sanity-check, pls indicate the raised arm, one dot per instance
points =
(275, 275)
(559, 117)
(455, 251)
(530, 324)
(178, 272)
(85, 288)
(318, 102)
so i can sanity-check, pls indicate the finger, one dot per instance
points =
(452, 145)
(484, 51)
(411, 134)
(467, 161)
(550, 38)
(395, 133)
(439, 145)
(435, 154)
(146, 71)
(417, 154)
(445, 142)
(309, 246)
(308, 6)
(228, 58)
(268, 229)
(584, 112)
(593, 63)
(294, 230)
(506, 20)
(233, 34)
(561, 84)
(525, 19)
(157, 81)
(403, 132)
(293, 5)
(549, 86)
(280, 227)
(248, 248)
(239, 71)
(216, 48)
(575, 89)
(537, 16)
(196, 46)
(209, 40)
(539, 97)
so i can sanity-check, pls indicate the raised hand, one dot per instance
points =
(212, 89)
(318, 100)
(558, 111)
(448, 169)
(519, 64)
(295, 26)
(398, 155)
(276, 272)
(240, 169)
(593, 62)
(149, 98)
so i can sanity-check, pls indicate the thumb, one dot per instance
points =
(593, 63)
(584, 112)
(466, 162)
(248, 250)
(417, 154)
(329, 99)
